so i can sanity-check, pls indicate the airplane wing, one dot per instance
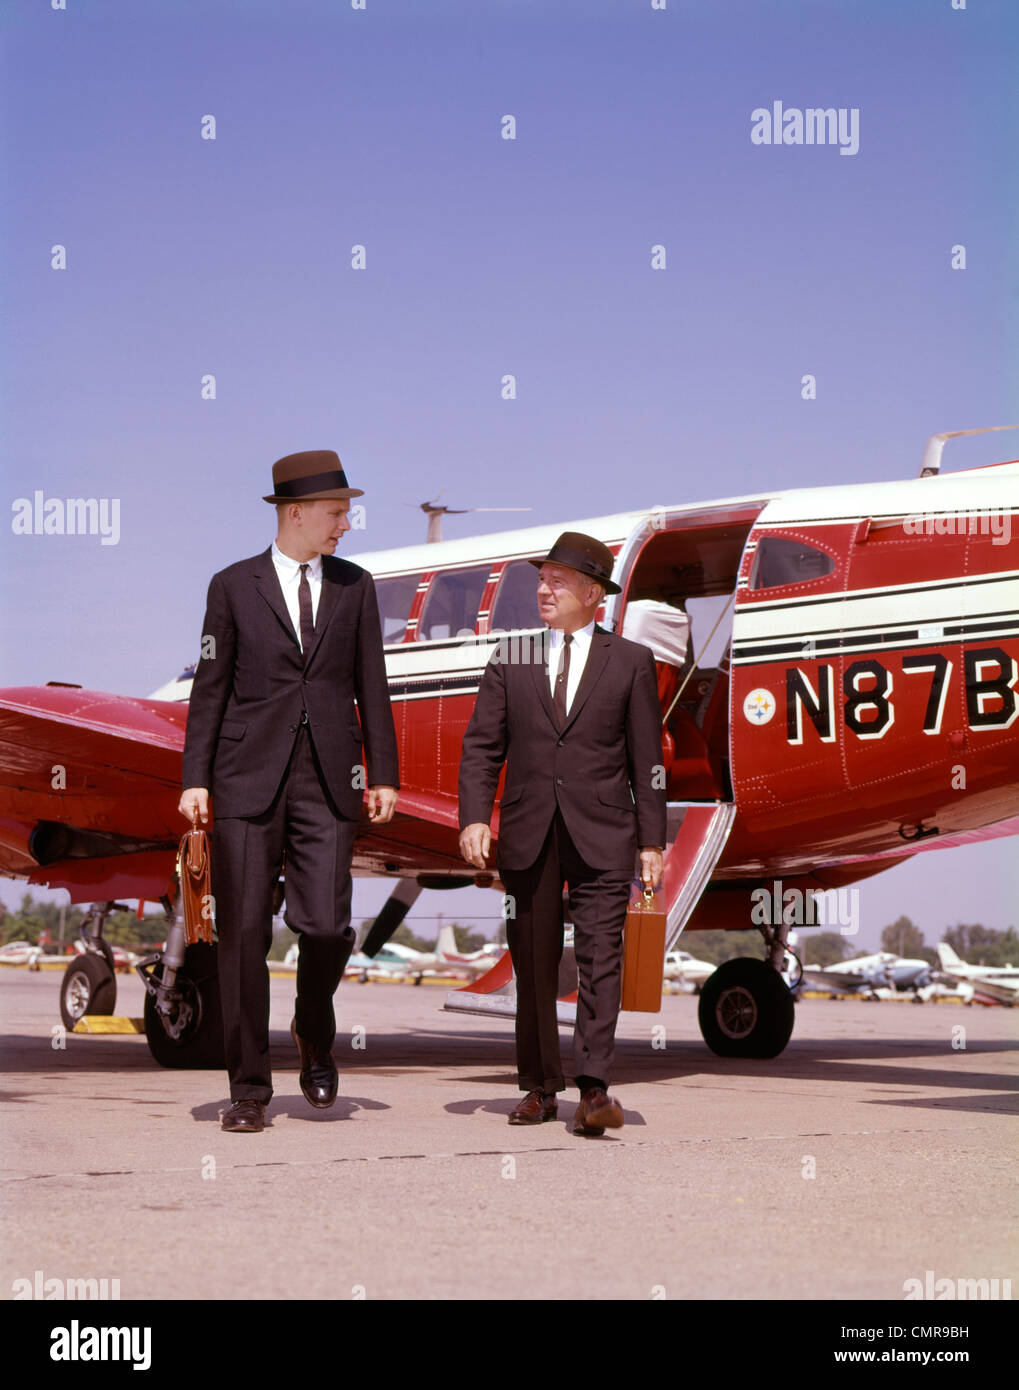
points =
(425, 829)
(89, 785)
(985, 991)
(995, 992)
(841, 981)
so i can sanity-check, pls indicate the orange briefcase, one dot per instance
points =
(644, 954)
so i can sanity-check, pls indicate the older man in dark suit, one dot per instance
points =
(291, 639)
(574, 714)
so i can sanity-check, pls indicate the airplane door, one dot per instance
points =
(786, 707)
(678, 573)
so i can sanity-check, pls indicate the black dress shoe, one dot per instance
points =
(596, 1113)
(245, 1117)
(535, 1108)
(318, 1072)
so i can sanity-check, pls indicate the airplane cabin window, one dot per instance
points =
(516, 599)
(395, 598)
(452, 602)
(781, 561)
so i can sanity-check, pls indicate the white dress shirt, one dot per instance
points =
(579, 648)
(289, 574)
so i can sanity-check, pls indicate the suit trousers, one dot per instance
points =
(598, 900)
(303, 829)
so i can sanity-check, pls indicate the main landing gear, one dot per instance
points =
(746, 1009)
(183, 1016)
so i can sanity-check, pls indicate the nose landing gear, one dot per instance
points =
(89, 985)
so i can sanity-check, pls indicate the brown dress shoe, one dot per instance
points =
(244, 1117)
(596, 1113)
(535, 1108)
(318, 1078)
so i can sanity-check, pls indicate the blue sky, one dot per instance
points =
(337, 127)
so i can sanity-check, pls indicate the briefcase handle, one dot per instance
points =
(646, 902)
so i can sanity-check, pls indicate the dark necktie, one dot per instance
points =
(562, 681)
(304, 603)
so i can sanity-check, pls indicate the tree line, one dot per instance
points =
(975, 943)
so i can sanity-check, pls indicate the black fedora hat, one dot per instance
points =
(316, 475)
(585, 554)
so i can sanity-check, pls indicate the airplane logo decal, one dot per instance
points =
(759, 706)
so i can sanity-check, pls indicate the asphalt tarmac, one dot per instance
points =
(878, 1147)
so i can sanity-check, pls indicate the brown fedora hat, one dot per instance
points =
(579, 552)
(316, 475)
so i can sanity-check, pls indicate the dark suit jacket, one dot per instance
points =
(609, 747)
(252, 684)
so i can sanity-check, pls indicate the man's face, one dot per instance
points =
(566, 598)
(323, 522)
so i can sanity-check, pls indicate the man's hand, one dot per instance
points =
(476, 844)
(381, 804)
(652, 867)
(195, 801)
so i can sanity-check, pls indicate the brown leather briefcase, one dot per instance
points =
(195, 876)
(644, 954)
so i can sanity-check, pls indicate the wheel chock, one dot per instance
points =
(109, 1023)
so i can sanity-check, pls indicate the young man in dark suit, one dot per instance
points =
(291, 639)
(574, 714)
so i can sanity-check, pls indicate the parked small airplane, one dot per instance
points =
(871, 974)
(684, 969)
(994, 984)
(444, 960)
(389, 963)
(33, 954)
(20, 953)
(471, 963)
(398, 962)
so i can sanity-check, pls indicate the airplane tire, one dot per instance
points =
(88, 987)
(200, 1043)
(746, 1010)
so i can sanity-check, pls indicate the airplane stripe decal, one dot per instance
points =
(908, 625)
(883, 612)
(426, 687)
(441, 644)
(963, 512)
(886, 642)
(404, 690)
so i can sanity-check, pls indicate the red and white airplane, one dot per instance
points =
(838, 679)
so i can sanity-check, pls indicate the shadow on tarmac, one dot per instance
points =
(567, 1108)
(486, 1055)
(294, 1108)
